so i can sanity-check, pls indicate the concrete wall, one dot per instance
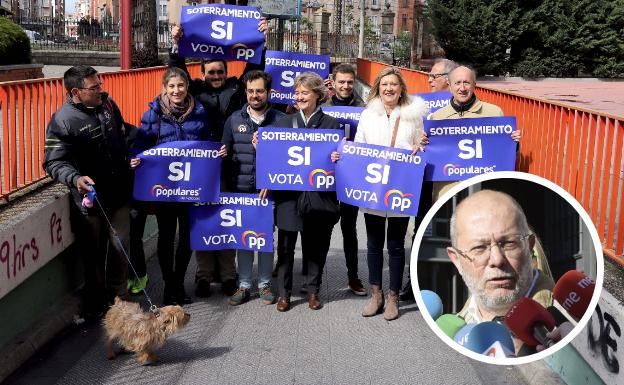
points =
(73, 58)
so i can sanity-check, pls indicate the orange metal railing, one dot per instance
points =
(26, 108)
(579, 149)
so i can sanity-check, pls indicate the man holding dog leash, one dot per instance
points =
(86, 145)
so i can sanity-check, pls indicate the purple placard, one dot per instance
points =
(462, 148)
(239, 221)
(284, 68)
(180, 171)
(435, 100)
(218, 31)
(296, 158)
(380, 178)
(348, 117)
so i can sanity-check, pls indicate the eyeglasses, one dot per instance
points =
(435, 76)
(480, 254)
(94, 88)
(261, 91)
(218, 72)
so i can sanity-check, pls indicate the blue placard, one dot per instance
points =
(284, 68)
(380, 178)
(239, 221)
(462, 148)
(435, 100)
(218, 31)
(181, 171)
(296, 158)
(348, 117)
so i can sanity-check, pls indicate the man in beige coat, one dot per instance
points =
(464, 104)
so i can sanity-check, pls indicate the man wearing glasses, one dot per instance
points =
(86, 145)
(240, 136)
(221, 97)
(492, 249)
(438, 77)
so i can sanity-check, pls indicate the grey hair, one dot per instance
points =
(314, 82)
(449, 66)
(520, 216)
(472, 70)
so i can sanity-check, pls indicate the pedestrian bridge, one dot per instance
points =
(578, 149)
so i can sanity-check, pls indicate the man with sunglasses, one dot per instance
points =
(221, 96)
(492, 248)
(86, 145)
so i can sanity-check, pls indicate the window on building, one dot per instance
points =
(404, 22)
(374, 2)
(374, 23)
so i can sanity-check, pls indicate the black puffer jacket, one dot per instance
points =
(82, 141)
(237, 135)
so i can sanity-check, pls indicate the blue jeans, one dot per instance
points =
(245, 268)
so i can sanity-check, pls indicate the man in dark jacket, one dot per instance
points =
(343, 84)
(221, 97)
(238, 134)
(86, 146)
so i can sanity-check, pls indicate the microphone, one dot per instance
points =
(450, 324)
(491, 339)
(574, 291)
(530, 322)
(462, 334)
(433, 303)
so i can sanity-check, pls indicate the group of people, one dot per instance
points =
(89, 145)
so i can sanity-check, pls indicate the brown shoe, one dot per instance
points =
(283, 304)
(391, 312)
(355, 285)
(313, 302)
(376, 302)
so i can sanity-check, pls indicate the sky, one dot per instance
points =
(69, 6)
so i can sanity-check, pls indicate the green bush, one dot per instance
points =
(14, 43)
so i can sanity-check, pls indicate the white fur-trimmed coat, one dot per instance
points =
(376, 127)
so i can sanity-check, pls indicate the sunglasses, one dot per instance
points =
(218, 72)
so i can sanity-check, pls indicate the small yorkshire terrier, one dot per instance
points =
(141, 332)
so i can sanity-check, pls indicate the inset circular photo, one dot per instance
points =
(509, 268)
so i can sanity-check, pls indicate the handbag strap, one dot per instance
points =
(394, 132)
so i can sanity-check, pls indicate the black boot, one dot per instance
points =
(406, 293)
(181, 297)
(169, 296)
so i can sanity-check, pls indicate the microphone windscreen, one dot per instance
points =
(498, 350)
(462, 334)
(574, 291)
(485, 334)
(433, 303)
(450, 324)
(526, 314)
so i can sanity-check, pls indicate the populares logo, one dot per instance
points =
(396, 199)
(320, 178)
(159, 190)
(445, 169)
(253, 240)
(451, 169)
(156, 188)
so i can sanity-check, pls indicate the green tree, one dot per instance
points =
(14, 43)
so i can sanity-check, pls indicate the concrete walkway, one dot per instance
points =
(255, 344)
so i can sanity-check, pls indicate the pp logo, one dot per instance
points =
(242, 52)
(396, 199)
(253, 240)
(447, 167)
(242, 128)
(157, 189)
(321, 179)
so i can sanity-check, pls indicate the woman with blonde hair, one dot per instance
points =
(310, 93)
(394, 119)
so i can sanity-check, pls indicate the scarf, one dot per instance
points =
(461, 108)
(342, 102)
(177, 112)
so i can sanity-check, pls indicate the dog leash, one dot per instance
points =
(87, 201)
